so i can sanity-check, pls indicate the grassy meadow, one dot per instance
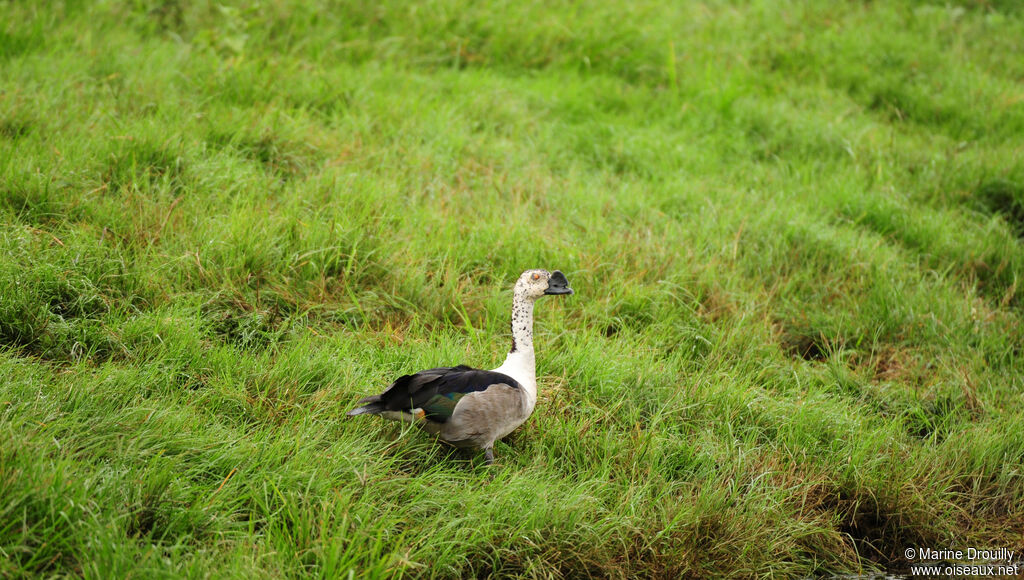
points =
(795, 231)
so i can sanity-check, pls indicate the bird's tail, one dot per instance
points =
(373, 406)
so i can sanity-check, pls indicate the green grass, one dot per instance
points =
(794, 231)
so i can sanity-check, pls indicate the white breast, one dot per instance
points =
(521, 367)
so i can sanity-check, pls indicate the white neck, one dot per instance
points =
(520, 364)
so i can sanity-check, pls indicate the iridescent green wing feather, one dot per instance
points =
(440, 407)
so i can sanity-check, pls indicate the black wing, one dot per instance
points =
(436, 391)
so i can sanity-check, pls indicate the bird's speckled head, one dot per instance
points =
(533, 284)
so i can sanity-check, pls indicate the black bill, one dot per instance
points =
(557, 284)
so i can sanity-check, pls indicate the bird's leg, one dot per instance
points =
(489, 456)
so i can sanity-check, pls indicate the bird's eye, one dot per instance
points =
(536, 276)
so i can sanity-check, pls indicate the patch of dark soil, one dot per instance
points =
(808, 344)
(881, 528)
(148, 514)
(1005, 198)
